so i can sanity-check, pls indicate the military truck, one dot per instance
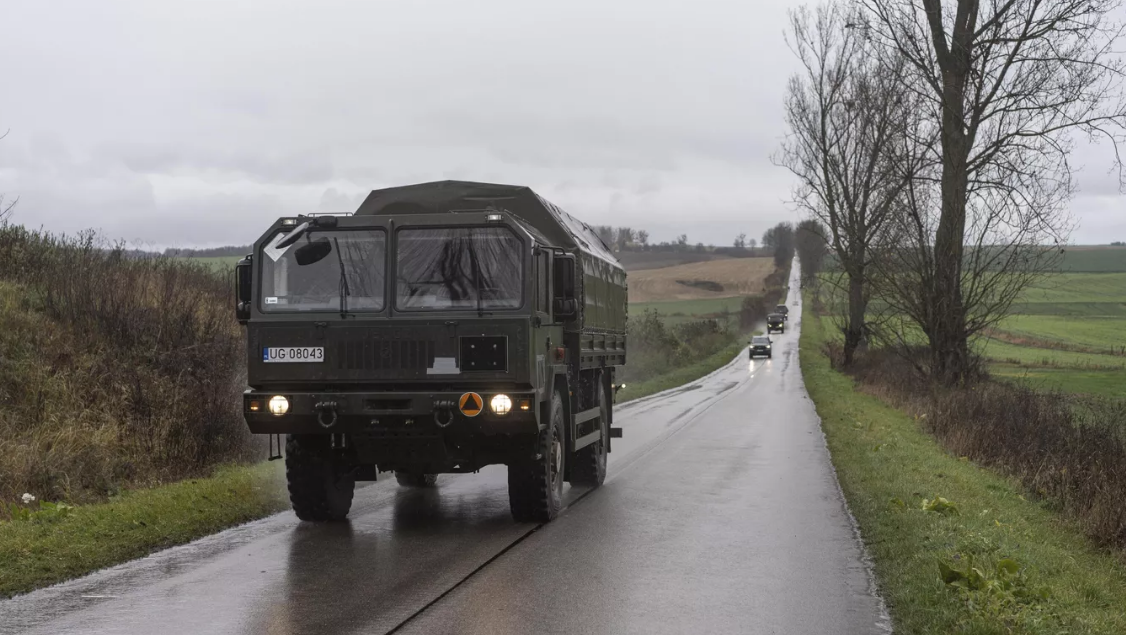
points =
(440, 328)
(775, 322)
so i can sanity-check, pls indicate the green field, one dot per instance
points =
(1093, 259)
(218, 263)
(694, 308)
(1063, 332)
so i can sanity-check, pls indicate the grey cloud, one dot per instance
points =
(298, 167)
(165, 121)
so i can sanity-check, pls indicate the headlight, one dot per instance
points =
(279, 405)
(501, 404)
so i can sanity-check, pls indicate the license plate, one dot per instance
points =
(293, 354)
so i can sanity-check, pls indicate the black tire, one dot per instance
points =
(320, 486)
(416, 479)
(589, 468)
(535, 486)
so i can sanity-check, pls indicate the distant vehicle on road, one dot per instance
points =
(783, 310)
(441, 328)
(760, 345)
(775, 322)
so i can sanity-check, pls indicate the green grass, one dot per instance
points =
(709, 306)
(1097, 332)
(1076, 309)
(1094, 260)
(682, 375)
(999, 351)
(1106, 383)
(887, 466)
(50, 548)
(1077, 287)
(218, 263)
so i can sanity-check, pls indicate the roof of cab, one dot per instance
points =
(440, 197)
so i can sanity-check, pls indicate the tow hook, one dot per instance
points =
(443, 413)
(323, 408)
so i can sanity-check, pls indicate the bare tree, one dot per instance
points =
(845, 112)
(643, 238)
(1005, 85)
(741, 241)
(780, 239)
(623, 238)
(811, 243)
(752, 244)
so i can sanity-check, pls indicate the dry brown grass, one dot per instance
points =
(113, 372)
(736, 277)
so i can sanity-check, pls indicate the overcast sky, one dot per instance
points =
(198, 123)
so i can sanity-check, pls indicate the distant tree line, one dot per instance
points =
(214, 252)
(627, 239)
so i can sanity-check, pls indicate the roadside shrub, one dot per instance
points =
(1069, 450)
(656, 348)
(114, 371)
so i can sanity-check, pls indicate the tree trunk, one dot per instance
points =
(948, 341)
(854, 329)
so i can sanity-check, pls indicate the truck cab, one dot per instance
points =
(440, 328)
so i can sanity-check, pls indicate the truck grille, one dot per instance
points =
(376, 354)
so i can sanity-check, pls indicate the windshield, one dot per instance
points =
(760, 340)
(471, 268)
(319, 284)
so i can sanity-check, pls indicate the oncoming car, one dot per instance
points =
(760, 345)
(775, 322)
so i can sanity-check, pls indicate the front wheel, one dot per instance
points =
(320, 484)
(535, 485)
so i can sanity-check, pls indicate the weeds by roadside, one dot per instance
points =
(114, 372)
(1066, 449)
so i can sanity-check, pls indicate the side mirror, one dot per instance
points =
(566, 308)
(314, 251)
(244, 293)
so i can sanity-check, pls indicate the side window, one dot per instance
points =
(543, 295)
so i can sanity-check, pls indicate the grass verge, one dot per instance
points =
(682, 375)
(52, 546)
(1035, 573)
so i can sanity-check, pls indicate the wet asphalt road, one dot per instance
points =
(720, 514)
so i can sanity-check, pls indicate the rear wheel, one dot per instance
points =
(590, 462)
(416, 479)
(320, 484)
(535, 486)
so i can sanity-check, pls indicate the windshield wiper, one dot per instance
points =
(344, 291)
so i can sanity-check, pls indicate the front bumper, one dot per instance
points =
(760, 351)
(315, 412)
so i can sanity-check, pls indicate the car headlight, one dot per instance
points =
(501, 404)
(279, 405)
